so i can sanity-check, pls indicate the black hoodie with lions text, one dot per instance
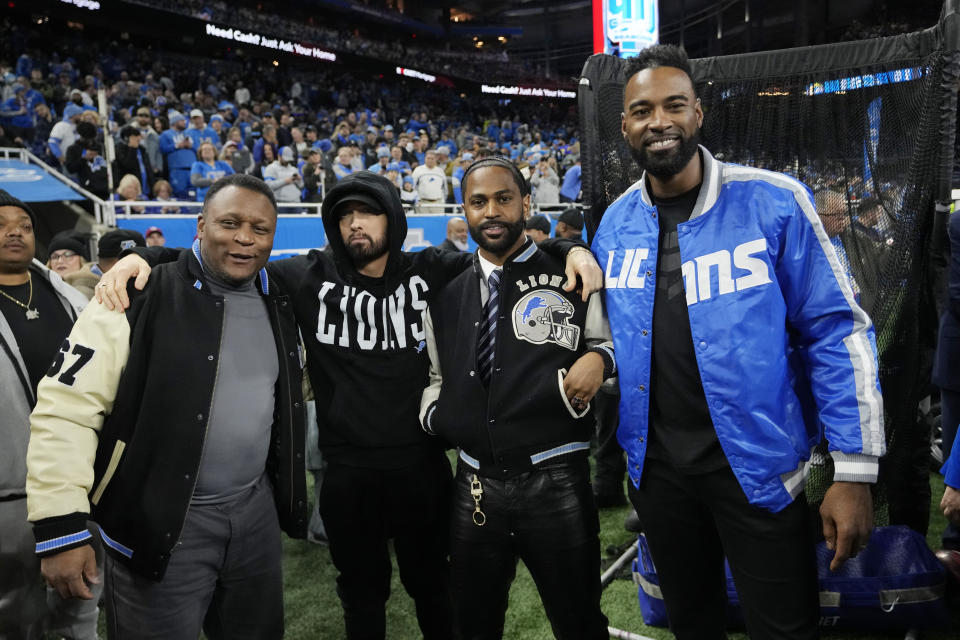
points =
(365, 336)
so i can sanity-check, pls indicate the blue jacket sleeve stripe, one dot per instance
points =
(858, 342)
(63, 541)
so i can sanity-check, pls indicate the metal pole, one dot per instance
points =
(108, 151)
(625, 635)
(607, 576)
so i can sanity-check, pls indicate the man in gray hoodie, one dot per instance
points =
(37, 310)
(283, 177)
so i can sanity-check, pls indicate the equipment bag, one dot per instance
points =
(895, 583)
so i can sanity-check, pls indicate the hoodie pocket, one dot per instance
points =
(561, 373)
(111, 469)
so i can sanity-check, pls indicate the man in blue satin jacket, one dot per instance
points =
(725, 299)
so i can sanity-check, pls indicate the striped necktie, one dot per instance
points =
(486, 343)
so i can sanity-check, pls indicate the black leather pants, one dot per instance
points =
(545, 517)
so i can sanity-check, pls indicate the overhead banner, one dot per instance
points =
(538, 92)
(30, 183)
(261, 40)
(624, 27)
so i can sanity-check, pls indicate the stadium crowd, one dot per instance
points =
(177, 129)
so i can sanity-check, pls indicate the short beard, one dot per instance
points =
(504, 244)
(362, 256)
(665, 167)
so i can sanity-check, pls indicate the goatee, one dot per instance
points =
(512, 231)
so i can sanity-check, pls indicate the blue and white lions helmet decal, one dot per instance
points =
(543, 316)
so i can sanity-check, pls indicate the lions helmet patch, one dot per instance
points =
(543, 316)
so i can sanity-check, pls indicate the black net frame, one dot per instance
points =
(870, 126)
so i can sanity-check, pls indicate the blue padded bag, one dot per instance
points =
(648, 591)
(895, 583)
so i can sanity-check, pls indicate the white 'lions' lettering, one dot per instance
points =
(720, 260)
(743, 259)
(697, 272)
(541, 279)
(417, 288)
(630, 276)
(395, 302)
(366, 325)
(689, 272)
(325, 332)
(383, 323)
(345, 326)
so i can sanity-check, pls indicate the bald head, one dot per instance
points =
(457, 232)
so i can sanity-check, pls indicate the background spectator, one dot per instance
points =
(545, 183)
(283, 177)
(66, 253)
(133, 159)
(207, 169)
(154, 237)
(129, 190)
(177, 148)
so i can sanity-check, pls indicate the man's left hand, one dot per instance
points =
(847, 512)
(580, 262)
(583, 379)
(950, 505)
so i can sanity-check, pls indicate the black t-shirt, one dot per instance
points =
(38, 339)
(681, 430)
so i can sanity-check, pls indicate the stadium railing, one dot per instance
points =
(107, 211)
(25, 156)
(126, 208)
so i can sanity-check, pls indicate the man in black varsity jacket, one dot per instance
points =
(359, 307)
(178, 428)
(514, 363)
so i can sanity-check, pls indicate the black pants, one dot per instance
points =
(548, 519)
(611, 467)
(361, 510)
(691, 521)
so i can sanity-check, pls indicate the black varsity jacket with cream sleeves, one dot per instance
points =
(541, 331)
(117, 434)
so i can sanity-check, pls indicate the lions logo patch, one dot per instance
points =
(543, 316)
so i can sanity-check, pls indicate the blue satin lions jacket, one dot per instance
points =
(765, 293)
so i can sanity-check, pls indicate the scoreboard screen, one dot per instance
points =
(624, 27)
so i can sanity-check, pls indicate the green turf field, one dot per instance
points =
(313, 610)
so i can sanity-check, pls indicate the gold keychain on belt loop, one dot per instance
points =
(476, 491)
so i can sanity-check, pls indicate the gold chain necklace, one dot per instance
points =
(32, 314)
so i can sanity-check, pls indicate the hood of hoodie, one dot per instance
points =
(381, 190)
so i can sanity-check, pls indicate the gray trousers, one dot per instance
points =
(224, 576)
(318, 467)
(28, 608)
